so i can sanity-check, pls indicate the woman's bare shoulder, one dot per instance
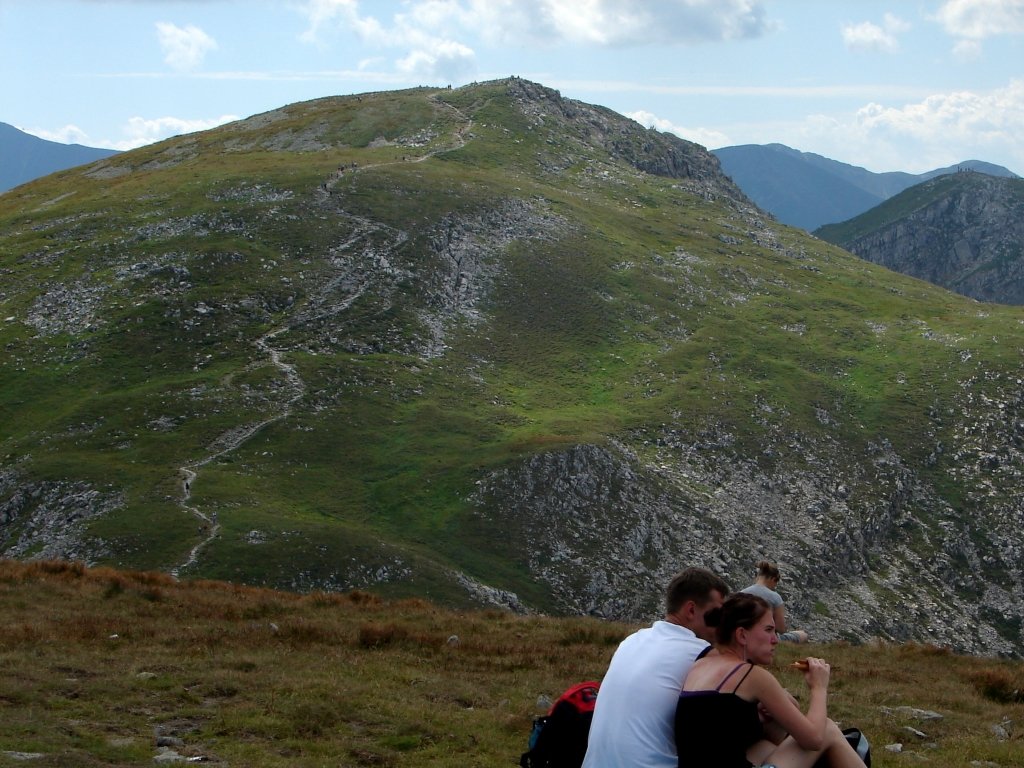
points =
(711, 672)
(761, 679)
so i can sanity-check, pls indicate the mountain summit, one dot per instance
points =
(492, 346)
(962, 231)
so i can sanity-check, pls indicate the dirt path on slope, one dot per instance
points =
(209, 526)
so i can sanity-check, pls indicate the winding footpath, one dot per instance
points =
(209, 526)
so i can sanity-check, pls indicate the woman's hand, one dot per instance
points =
(817, 673)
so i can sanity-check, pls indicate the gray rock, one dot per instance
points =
(168, 755)
(912, 712)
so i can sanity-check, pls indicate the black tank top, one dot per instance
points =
(714, 729)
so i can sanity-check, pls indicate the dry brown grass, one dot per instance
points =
(97, 665)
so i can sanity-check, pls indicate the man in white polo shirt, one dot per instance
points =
(636, 705)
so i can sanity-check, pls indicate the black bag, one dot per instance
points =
(860, 745)
(559, 738)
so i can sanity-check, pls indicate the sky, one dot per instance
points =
(888, 85)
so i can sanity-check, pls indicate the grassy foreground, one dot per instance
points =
(110, 668)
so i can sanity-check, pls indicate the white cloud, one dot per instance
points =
(869, 37)
(996, 116)
(138, 132)
(421, 32)
(703, 136)
(978, 19)
(141, 131)
(934, 132)
(621, 22)
(433, 33)
(967, 50)
(323, 14)
(69, 134)
(442, 59)
(184, 47)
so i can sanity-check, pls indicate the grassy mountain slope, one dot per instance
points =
(115, 668)
(492, 346)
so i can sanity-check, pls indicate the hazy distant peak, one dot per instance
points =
(27, 157)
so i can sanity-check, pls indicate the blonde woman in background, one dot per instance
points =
(765, 587)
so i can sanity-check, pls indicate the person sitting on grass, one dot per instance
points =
(766, 586)
(726, 694)
(632, 725)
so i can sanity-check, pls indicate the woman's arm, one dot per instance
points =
(808, 730)
(779, 616)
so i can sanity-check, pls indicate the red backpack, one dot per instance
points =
(559, 738)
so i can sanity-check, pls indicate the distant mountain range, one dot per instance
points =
(24, 157)
(807, 190)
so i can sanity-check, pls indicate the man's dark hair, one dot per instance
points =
(695, 584)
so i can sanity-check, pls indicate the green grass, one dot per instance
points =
(99, 663)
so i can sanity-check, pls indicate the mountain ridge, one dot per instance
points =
(491, 346)
(27, 157)
(808, 190)
(961, 231)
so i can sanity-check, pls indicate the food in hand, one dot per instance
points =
(800, 664)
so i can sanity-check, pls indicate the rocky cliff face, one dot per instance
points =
(605, 530)
(966, 233)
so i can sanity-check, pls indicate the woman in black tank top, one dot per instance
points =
(729, 695)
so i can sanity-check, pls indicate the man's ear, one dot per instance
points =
(689, 610)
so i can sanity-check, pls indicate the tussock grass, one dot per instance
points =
(94, 671)
(999, 684)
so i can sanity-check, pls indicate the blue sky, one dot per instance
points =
(906, 85)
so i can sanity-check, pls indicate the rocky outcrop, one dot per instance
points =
(966, 234)
(605, 530)
(647, 150)
(50, 520)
